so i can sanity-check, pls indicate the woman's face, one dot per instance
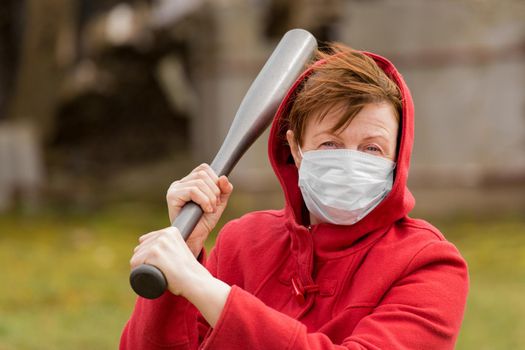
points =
(373, 130)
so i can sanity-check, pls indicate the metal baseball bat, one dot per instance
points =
(255, 113)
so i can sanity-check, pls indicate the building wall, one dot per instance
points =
(464, 62)
(465, 66)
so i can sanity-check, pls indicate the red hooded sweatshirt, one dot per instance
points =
(386, 282)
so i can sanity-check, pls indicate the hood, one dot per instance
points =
(395, 206)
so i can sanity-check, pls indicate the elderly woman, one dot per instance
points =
(342, 266)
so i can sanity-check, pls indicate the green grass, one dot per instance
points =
(64, 278)
(495, 252)
(63, 282)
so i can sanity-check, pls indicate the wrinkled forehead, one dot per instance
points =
(339, 116)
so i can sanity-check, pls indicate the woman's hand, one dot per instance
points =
(167, 250)
(205, 188)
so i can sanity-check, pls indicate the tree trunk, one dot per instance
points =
(46, 49)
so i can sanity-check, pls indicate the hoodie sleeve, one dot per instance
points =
(168, 322)
(423, 310)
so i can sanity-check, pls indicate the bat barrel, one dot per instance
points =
(253, 116)
(260, 103)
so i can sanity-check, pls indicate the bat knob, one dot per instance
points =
(148, 281)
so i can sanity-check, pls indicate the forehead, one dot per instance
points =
(379, 117)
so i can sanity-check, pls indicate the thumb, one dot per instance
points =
(225, 185)
(226, 189)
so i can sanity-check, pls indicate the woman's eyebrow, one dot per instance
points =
(376, 136)
(382, 139)
(323, 132)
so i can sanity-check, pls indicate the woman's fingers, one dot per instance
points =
(148, 235)
(209, 171)
(192, 190)
(205, 172)
(203, 175)
(200, 186)
(154, 243)
(144, 242)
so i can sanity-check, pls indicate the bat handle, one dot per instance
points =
(147, 280)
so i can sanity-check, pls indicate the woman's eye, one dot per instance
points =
(328, 144)
(372, 149)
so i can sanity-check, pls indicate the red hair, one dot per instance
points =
(341, 76)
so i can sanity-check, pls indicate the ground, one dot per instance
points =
(64, 282)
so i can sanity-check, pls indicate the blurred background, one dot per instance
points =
(103, 103)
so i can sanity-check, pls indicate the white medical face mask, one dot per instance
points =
(342, 186)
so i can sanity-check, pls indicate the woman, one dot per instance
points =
(342, 265)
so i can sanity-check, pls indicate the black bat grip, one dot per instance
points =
(147, 280)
